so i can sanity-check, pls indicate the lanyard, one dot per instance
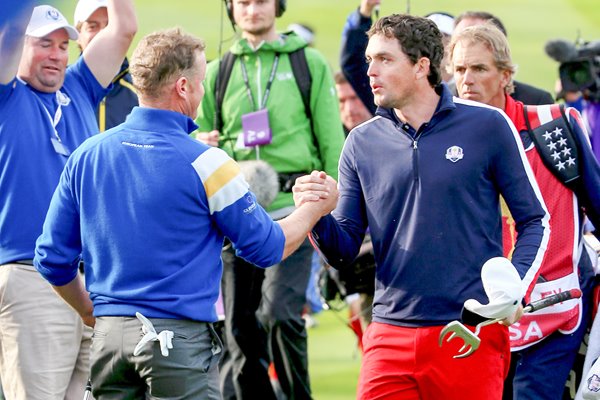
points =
(61, 99)
(269, 83)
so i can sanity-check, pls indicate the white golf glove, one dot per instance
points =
(165, 338)
(504, 289)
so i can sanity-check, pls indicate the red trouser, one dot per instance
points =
(402, 363)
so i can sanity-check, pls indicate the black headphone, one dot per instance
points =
(279, 4)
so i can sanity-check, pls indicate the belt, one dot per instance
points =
(22, 262)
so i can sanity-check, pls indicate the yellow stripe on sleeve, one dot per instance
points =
(221, 177)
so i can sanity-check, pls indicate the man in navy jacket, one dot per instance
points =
(426, 181)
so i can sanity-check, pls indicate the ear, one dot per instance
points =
(422, 68)
(181, 86)
(506, 75)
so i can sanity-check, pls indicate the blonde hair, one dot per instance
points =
(492, 38)
(161, 57)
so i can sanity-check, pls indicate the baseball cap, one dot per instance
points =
(46, 19)
(444, 22)
(85, 8)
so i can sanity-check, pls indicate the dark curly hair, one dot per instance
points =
(418, 37)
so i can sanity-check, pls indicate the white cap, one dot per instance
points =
(444, 22)
(47, 19)
(85, 8)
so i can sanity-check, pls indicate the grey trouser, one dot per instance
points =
(188, 372)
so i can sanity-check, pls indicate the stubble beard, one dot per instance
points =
(51, 84)
(259, 30)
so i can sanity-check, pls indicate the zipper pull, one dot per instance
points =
(415, 144)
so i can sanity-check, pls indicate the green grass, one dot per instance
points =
(334, 359)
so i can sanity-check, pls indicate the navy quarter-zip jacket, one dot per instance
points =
(431, 201)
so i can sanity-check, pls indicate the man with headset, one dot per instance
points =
(263, 116)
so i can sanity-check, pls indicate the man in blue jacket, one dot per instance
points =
(426, 181)
(148, 207)
(46, 111)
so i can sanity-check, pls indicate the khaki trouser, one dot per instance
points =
(44, 346)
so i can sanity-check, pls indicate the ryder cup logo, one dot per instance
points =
(454, 153)
(594, 383)
(53, 14)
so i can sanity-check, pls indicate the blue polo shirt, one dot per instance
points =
(30, 166)
(148, 209)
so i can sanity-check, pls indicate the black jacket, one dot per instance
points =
(117, 104)
(354, 67)
(528, 94)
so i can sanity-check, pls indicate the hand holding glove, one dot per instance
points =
(504, 289)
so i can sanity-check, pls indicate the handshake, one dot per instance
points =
(318, 191)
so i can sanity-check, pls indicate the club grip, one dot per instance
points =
(551, 300)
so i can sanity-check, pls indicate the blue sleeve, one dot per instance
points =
(80, 73)
(352, 57)
(587, 188)
(255, 236)
(12, 9)
(338, 237)
(518, 186)
(233, 209)
(58, 249)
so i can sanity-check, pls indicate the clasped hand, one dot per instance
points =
(318, 190)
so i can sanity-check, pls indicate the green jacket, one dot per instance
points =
(293, 148)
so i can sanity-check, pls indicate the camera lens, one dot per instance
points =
(576, 75)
